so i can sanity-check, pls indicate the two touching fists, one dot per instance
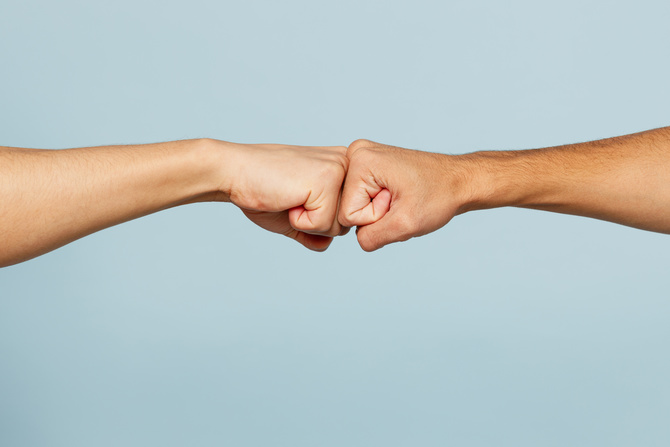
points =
(313, 194)
(49, 198)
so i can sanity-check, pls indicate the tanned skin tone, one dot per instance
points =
(50, 198)
(393, 194)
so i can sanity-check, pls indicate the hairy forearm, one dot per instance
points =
(52, 197)
(623, 179)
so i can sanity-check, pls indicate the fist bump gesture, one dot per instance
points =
(392, 194)
(49, 198)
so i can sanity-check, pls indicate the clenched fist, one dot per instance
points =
(393, 194)
(291, 190)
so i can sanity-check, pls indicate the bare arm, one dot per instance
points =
(624, 180)
(49, 198)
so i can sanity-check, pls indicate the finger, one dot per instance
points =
(365, 196)
(360, 144)
(318, 215)
(314, 242)
(363, 204)
(315, 221)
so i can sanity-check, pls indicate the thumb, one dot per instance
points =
(318, 221)
(364, 208)
(318, 215)
(363, 201)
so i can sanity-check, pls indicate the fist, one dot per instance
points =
(291, 190)
(393, 194)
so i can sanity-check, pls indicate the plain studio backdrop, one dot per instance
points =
(508, 327)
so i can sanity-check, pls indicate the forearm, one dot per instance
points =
(624, 179)
(52, 197)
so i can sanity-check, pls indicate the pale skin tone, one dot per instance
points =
(394, 194)
(51, 198)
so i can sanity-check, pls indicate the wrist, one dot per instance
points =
(217, 160)
(468, 185)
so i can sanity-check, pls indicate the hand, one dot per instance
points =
(290, 190)
(393, 194)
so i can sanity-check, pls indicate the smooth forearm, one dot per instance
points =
(52, 197)
(624, 179)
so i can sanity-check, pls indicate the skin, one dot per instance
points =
(53, 197)
(393, 194)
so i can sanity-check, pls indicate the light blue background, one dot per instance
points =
(193, 327)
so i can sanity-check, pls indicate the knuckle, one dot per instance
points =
(341, 150)
(344, 219)
(334, 229)
(334, 232)
(332, 169)
(343, 162)
(364, 158)
(358, 145)
(321, 227)
(361, 142)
